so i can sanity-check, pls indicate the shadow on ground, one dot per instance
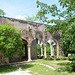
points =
(62, 64)
(11, 68)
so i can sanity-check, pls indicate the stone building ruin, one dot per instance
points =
(30, 32)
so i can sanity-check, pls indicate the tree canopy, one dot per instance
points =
(66, 25)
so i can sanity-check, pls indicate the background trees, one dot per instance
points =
(2, 13)
(65, 23)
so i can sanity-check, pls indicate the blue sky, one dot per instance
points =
(23, 7)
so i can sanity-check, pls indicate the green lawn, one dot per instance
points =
(53, 63)
(40, 69)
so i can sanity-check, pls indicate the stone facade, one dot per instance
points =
(30, 31)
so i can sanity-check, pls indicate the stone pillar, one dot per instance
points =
(29, 53)
(52, 51)
(41, 51)
(58, 47)
(45, 51)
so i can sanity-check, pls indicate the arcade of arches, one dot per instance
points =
(30, 32)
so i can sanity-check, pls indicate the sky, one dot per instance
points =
(22, 8)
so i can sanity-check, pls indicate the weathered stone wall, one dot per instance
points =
(24, 26)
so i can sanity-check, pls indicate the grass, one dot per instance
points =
(7, 68)
(39, 69)
(53, 63)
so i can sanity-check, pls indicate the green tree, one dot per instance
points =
(31, 18)
(70, 4)
(2, 13)
(44, 10)
(67, 25)
(38, 50)
(48, 51)
(10, 40)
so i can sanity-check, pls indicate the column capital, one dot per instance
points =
(29, 45)
(45, 44)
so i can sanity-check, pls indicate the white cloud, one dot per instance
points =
(21, 17)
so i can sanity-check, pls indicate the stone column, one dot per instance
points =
(58, 47)
(29, 53)
(41, 51)
(45, 51)
(52, 51)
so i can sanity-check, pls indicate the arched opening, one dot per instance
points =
(48, 49)
(40, 49)
(39, 43)
(25, 57)
(52, 47)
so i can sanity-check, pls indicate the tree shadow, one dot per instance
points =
(63, 64)
(12, 68)
(26, 66)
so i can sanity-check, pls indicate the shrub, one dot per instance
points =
(38, 50)
(49, 58)
(48, 51)
(65, 58)
(57, 58)
(61, 57)
(71, 66)
(10, 40)
(61, 69)
(71, 58)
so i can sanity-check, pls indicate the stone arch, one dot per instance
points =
(26, 48)
(52, 43)
(39, 35)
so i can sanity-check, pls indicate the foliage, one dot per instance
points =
(38, 50)
(71, 67)
(10, 40)
(46, 9)
(71, 58)
(70, 4)
(67, 26)
(2, 13)
(48, 51)
(67, 40)
(61, 57)
(31, 18)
